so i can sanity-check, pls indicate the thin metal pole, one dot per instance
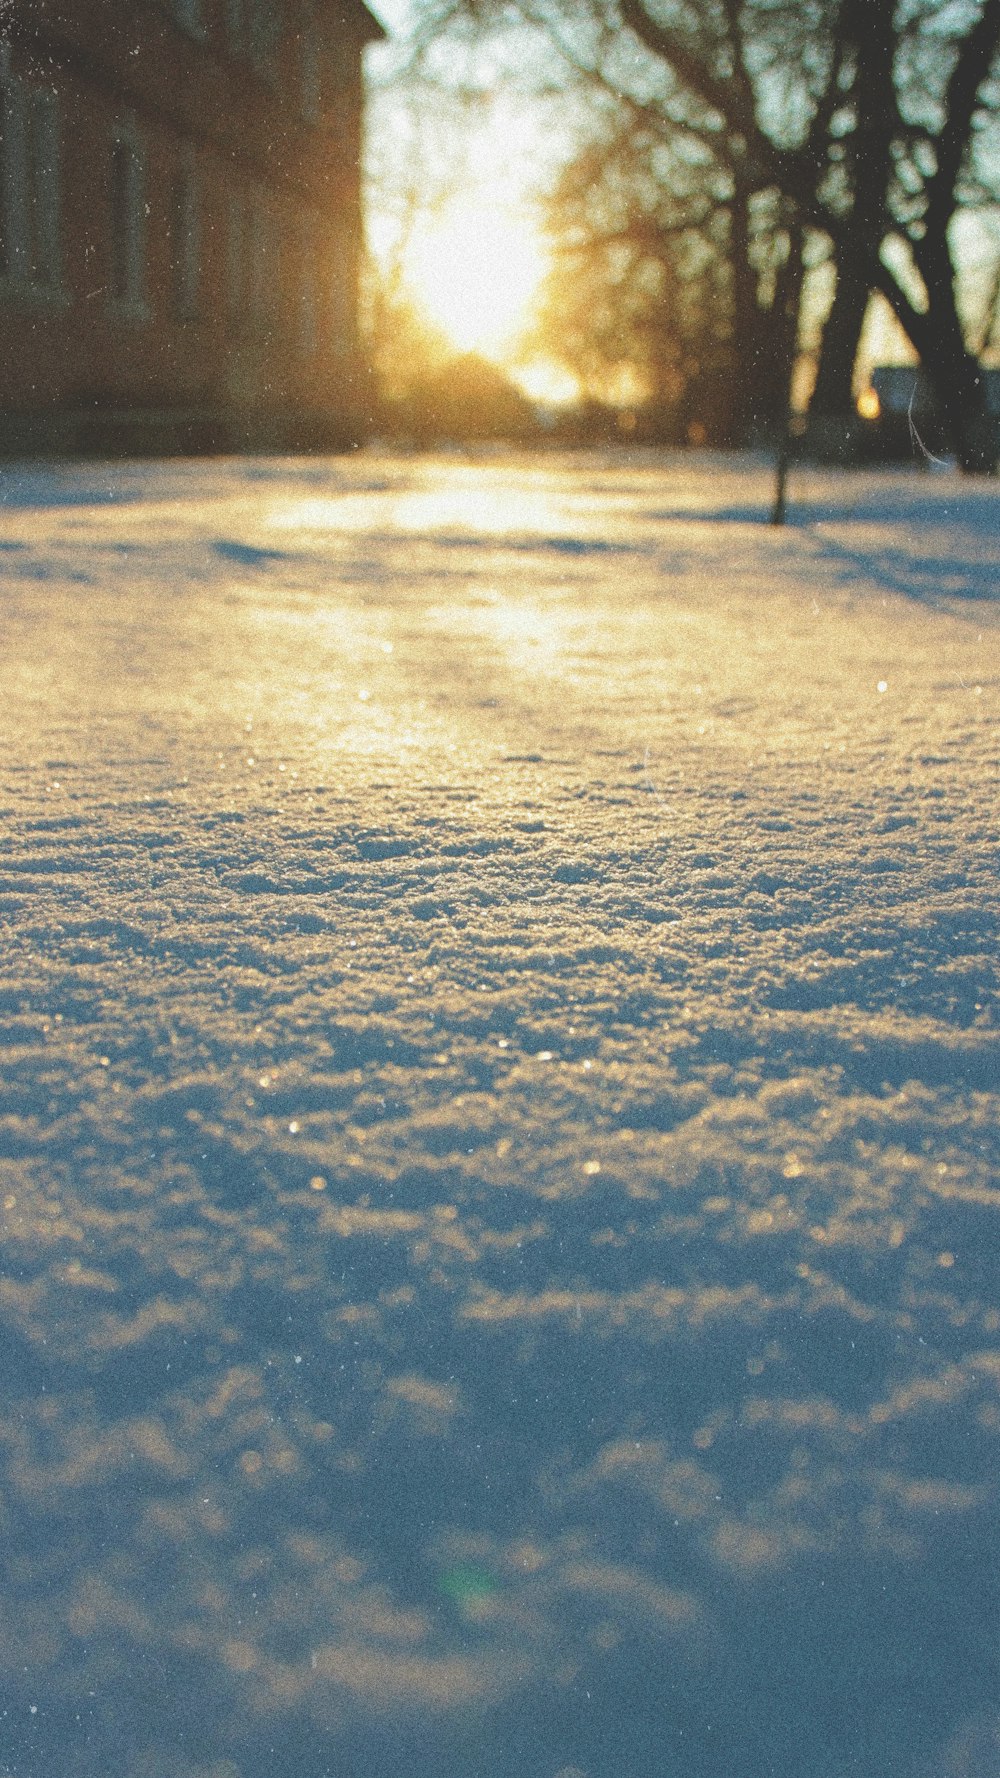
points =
(779, 508)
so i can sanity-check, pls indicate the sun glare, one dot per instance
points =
(546, 382)
(476, 271)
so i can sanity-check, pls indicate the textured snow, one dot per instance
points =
(499, 1109)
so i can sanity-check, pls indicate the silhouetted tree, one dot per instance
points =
(666, 271)
(465, 398)
(638, 287)
(860, 127)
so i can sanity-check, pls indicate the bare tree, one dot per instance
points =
(862, 126)
(640, 292)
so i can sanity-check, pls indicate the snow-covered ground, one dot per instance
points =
(499, 1109)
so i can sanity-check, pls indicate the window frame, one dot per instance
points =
(189, 16)
(265, 264)
(31, 190)
(311, 83)
(185, 235)
(43, 149)
(340, 310)
(128, 298)
(255, 31)
(308, 332)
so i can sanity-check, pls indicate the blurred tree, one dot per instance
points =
(860, 127)
(464, 398)
(414, 163)
(642, 299)
(945, 159)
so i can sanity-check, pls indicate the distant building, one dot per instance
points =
(904, 389)
(180, 222)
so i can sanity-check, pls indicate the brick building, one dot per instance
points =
(180, 222)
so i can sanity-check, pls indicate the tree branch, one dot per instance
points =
(721, 95)
(975, 59)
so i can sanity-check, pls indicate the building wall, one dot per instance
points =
(180, 216)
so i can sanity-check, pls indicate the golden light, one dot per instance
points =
(546, 382)
(869, 406)
(476, 271)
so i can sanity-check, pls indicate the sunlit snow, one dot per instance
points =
(499, 1110)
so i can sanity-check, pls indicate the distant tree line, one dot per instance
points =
(728, 149)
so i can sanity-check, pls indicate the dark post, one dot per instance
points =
(788, 317)
(781, 468)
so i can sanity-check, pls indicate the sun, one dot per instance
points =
(476, 270)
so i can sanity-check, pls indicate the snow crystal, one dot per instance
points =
(499, 1182)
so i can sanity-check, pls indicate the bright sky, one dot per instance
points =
(476, 270)
(471, 250)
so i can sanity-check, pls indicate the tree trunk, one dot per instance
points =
(954, 375)
(956, 378)
(758, 383)
(868, 26)
(746, 342)
(833, 395)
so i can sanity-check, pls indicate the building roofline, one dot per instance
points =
(370, 28)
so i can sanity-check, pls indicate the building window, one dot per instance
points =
(343, 62)
(185, 231)
(265, 266)
(310, 66)
(255, 28)
(254, 264)
(237, 260)
(308, 285)
(128, 221)
(43, 241)
(341, 313)
(236, 26)
(269, 25)
(189, 16)
(30, 187)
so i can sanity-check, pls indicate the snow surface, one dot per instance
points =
(499, 1118)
